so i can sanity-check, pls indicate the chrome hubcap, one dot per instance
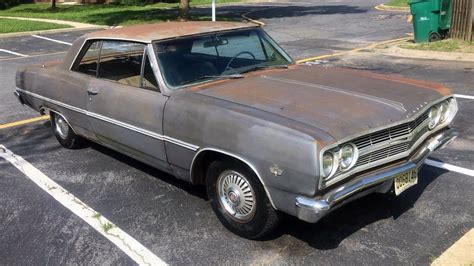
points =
(62, 128)
(236, 195)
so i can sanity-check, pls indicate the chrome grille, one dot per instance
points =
(382, 153)
(391, 141)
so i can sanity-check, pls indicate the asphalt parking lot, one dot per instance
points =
(174, 219)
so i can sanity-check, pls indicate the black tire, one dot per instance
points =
(434, 37)
(68, 139)
(264, 220)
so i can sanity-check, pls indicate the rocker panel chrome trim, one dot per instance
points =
(114, 121)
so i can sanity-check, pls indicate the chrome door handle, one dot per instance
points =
(92, 91)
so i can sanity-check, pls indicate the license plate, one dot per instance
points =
(405, 180)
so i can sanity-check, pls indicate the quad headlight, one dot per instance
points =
(329, 164)
(449, 108)
(343, 159)
(434, 117)
(442, 113)
(348, 156)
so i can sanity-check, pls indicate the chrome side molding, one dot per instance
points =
(113, 121)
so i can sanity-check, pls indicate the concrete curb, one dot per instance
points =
(26, 33)
(427, 55)
(383, 7)
(244, 16)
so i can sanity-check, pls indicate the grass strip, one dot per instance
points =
(106, 14)
(16, 25)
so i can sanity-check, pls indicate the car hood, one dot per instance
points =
(341, 102)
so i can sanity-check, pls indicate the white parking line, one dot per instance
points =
(464, 96)
(13, 53)
(450, 167)
(122, 240)
(52, 40)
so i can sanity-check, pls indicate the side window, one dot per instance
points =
(90, 59)
(121, 62)
(149, 80)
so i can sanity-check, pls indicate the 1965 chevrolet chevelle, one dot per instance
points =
(222, 105)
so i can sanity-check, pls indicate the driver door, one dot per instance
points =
(125, 103)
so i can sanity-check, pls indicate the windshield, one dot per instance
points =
(218, 55)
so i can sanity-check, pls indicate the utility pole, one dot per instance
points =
(213, 6)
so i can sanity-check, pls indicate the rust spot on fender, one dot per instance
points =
(419, 83)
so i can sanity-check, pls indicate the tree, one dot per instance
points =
(53, 4)
(183, 9)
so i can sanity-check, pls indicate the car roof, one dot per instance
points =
(166, 30)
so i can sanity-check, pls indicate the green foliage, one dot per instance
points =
(449, 45)
(397, 3)
(107, 226)
(15, 25)
(105, 14)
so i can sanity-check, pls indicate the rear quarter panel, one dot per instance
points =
(55, 82)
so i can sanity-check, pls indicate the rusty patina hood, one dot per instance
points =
(341, 102)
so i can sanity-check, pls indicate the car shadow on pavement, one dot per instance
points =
(198, 191)
(329, 232)
(24, 142)
(299, 11)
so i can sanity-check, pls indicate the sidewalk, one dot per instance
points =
(460, 253)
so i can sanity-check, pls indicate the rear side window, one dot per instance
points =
(90, 59)
(121, 62)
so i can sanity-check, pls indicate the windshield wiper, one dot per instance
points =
(258, 67)
(214, 77)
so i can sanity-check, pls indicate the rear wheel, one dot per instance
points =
(64, 133)
(239, 200)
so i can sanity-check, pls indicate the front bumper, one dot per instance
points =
(313, 209)
(18, 96)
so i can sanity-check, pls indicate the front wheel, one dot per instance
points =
(64, 133)
(239, 200)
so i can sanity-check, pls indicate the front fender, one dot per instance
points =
(263, 140)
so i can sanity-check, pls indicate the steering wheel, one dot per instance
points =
(227, 67)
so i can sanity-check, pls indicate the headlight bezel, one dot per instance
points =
(334, 164)
(433, 122)
(444, 117)
(444, 110)
(336, 154)
(355, 156)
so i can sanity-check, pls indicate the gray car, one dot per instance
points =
(220, 104)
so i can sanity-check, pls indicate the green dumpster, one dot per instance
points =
(431, 19)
